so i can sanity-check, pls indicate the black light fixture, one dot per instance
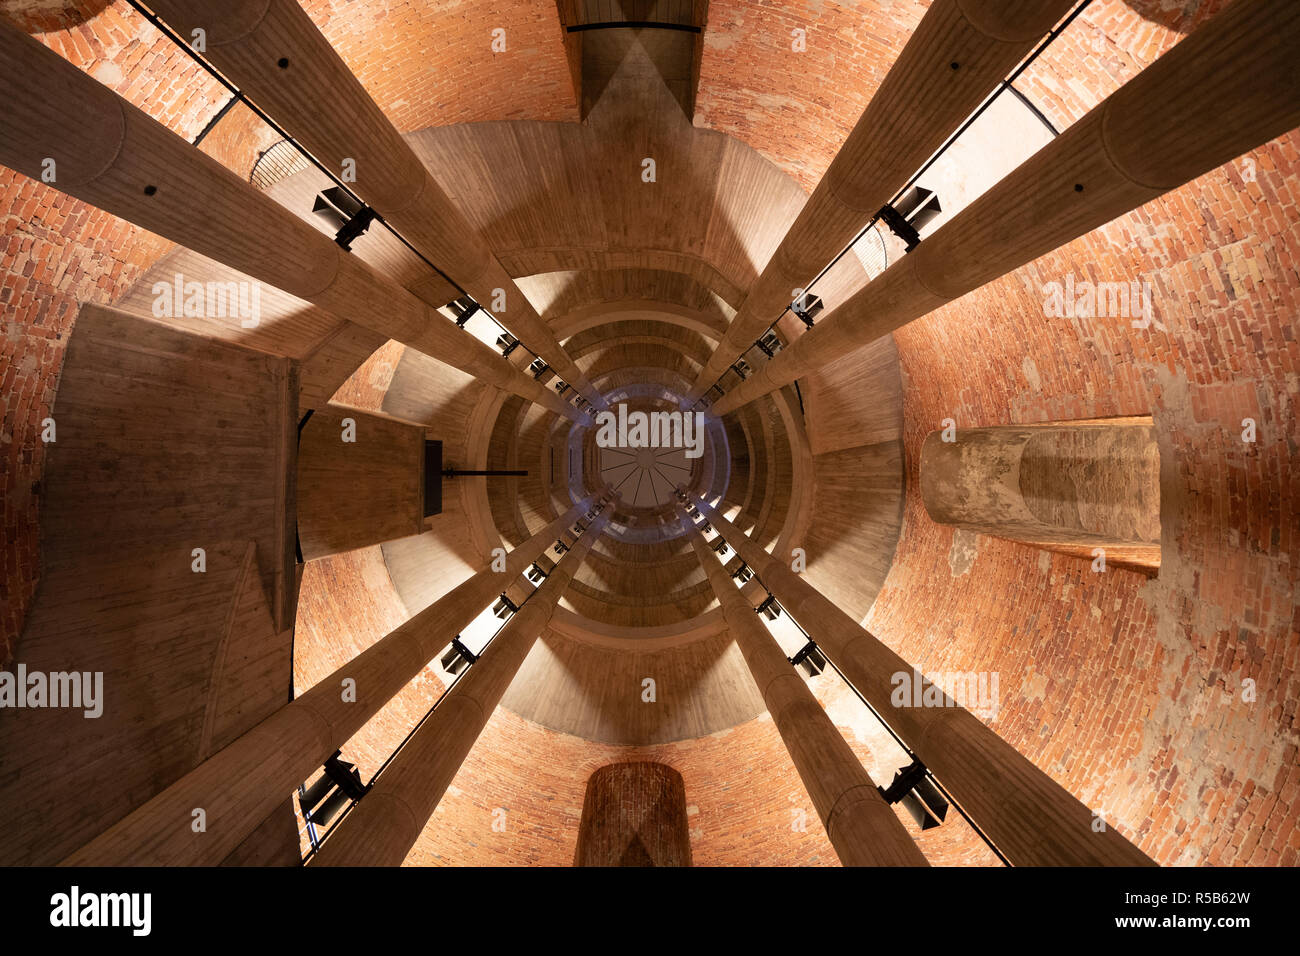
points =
(561, 386)
(769, 344)
(561, 547)
(538, 367)
(340, 785)
(742, 573)
(348, 217)
(919, 796)
(719, 545)
(504, 607)
(536, 573)
(914, 211)
(807, 307)
(741, 368)
(457, 657)
(507, 343)
(810, 658)
(461, 310)
(769, 608)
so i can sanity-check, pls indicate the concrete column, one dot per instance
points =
(1192, 110)
(861, 826)
(383, 827)
(959, 54)
(239, 786)
(273, 52)
(1069, 487)
(1031, 818)
(108, 153)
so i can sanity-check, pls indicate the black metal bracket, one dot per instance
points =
(906, 780)
(348, 780)
(468, 314)
(354, 227)
(806, 308)
(900, 227)
(767, 603)
(803, 652)
(454, 473)
(514, 608)
(464, 651)
(633, 25)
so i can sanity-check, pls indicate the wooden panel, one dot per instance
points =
(857, 400)
(166, 443)
(595, 690)
(355, 493)
(857, 518)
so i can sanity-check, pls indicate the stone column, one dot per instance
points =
(239, 786)
(1031, 818)
(1071, 486)
(385, 824)
(861, 826)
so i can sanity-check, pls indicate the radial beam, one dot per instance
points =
(959, 54)
(862, 827)
(1032, 819)
(1229, 87)
(239, 786)
(384, 826)
(61, 127)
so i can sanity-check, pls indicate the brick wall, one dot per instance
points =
(1130, 692)
(797, 108)
(432, 64)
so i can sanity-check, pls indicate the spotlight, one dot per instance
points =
(769, 344)
(504, 607)
(719, 545)
(807, 308)
(348, 217)
(538, 367)
(507, 343)
(340, 785)
(918, 795)
(769, 608)
(457, 657)
(810, 659)
(460, 310)
(742, 573)
(536, 574)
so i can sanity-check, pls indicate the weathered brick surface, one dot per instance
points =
(432, 64)
(1130, 692)
(797, 108)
